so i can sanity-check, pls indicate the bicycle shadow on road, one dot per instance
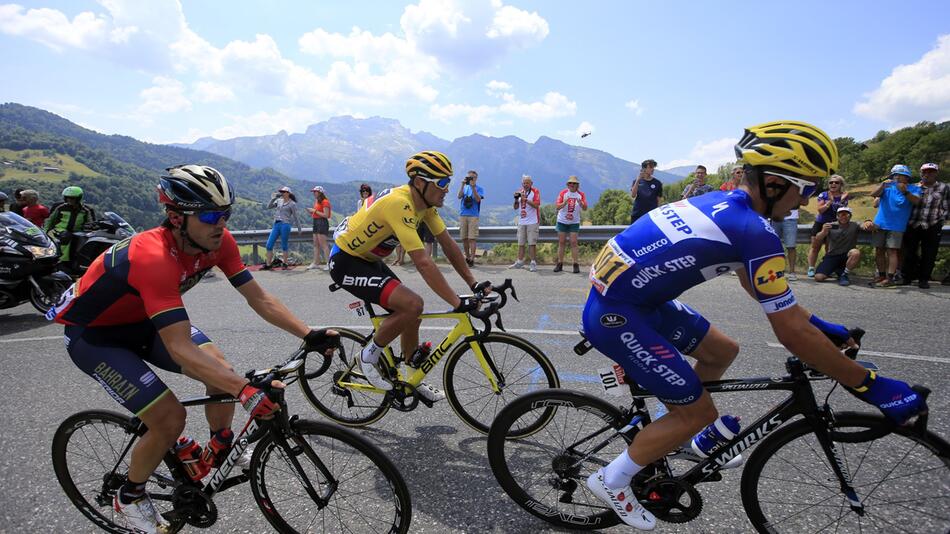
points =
(452, 484)
(15, 323)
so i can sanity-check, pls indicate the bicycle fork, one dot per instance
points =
(836, 459)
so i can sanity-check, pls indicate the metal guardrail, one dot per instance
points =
(509, 234)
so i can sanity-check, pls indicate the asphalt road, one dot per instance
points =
(443, 461)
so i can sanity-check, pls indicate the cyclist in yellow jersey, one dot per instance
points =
(362, 242)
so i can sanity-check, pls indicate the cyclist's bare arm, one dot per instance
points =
(433, 276)
(195, 362)
(272, 310)
(744, 281)
(803, 339)
(455, 257)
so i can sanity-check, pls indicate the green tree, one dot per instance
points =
(613, 207)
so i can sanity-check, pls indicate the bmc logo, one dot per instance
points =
(364, 281)
(612, 320)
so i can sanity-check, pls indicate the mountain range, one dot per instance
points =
(345, 149)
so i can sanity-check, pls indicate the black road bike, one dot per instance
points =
(306, 476)
(826, 471)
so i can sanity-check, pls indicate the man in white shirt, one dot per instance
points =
(528, 205)
(570, 203)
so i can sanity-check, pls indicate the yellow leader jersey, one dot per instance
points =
(390, 220)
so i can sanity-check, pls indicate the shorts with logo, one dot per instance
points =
(528, 233)
(649, 343)
(468, 227)
(116, 356)
(367, 280)
(887, 239)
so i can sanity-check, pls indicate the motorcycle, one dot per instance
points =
(93, 240)
(28, 260)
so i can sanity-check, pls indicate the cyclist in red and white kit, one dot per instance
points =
(127, 310)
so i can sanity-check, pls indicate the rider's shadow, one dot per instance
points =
(14, 323)
(453, 486)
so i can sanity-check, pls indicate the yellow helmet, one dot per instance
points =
(429, 165)
(793, 146)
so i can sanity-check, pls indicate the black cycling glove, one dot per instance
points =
(480, 286)
(466, 304)
(320, 341)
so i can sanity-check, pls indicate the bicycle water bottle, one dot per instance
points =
(189, 452)
(216, 448)
(420, 355)
(714, 436)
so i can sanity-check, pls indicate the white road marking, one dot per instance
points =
(897, 355)
(16, 340)
(446, 329)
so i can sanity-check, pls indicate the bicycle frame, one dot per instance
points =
(802, 401)
(463, 329)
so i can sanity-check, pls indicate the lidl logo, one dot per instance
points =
(769, 278)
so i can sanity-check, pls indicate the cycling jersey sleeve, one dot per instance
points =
(764, 260)
(157, 283)
(230, 263)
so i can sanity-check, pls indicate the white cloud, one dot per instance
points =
(470, 36)
(52, 28)
(553, 105)
(711, 154)
(165, 96)
(207, 92)
(915, 92)
(634, 106)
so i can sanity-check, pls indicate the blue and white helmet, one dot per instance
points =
(900, 169)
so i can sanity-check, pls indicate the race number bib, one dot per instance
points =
(609, 265)
(611, 379)
(358, 309)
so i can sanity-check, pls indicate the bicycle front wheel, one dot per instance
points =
(86, 448)
(320, 381)
(515, 364)
(546, 473)
(902, 479)
(367, 494)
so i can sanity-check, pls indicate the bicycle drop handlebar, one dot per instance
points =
(496, 301)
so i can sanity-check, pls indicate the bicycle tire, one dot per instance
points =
(332, 401)
(519, 462)
(362, 472)
(523, 365)
(83, 498)
(855, 435)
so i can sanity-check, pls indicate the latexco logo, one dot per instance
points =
(612, 320)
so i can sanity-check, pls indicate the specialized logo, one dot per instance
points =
(612, 320)
(769, 277)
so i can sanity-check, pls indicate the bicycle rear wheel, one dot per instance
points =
(546, 472)
(902, 479)
(370, 495)
(86, 447)
(319, 380)
(516, 364)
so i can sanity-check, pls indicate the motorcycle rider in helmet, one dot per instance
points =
(66, 217)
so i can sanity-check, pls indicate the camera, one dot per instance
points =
(518, 194)
(834, 226)
(467, 180)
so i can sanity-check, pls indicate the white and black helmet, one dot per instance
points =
(195, 188)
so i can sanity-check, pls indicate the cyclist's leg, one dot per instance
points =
(656, 364)
(117, 365)
(404, 321)
(219, 415)
(692, 335)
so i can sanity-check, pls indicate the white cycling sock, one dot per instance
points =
(619, 472)
(371, 352)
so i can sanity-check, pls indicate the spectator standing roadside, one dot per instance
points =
(646, 191)
(570, 203)
(366, 196)
(733, 182)
(320, 212)
(842, 253)
(528, 204)
(787, 231)
(897, 197)
(33, 211)
(16, 205)
(828, 204)
(285, 203)
(925, 227)
(699, 185)
(470, 205)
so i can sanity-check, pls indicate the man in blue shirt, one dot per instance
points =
(898, 198)
(470, 205)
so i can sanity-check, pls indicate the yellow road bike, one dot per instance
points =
(484, 370)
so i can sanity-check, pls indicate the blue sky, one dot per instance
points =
(675, 81)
